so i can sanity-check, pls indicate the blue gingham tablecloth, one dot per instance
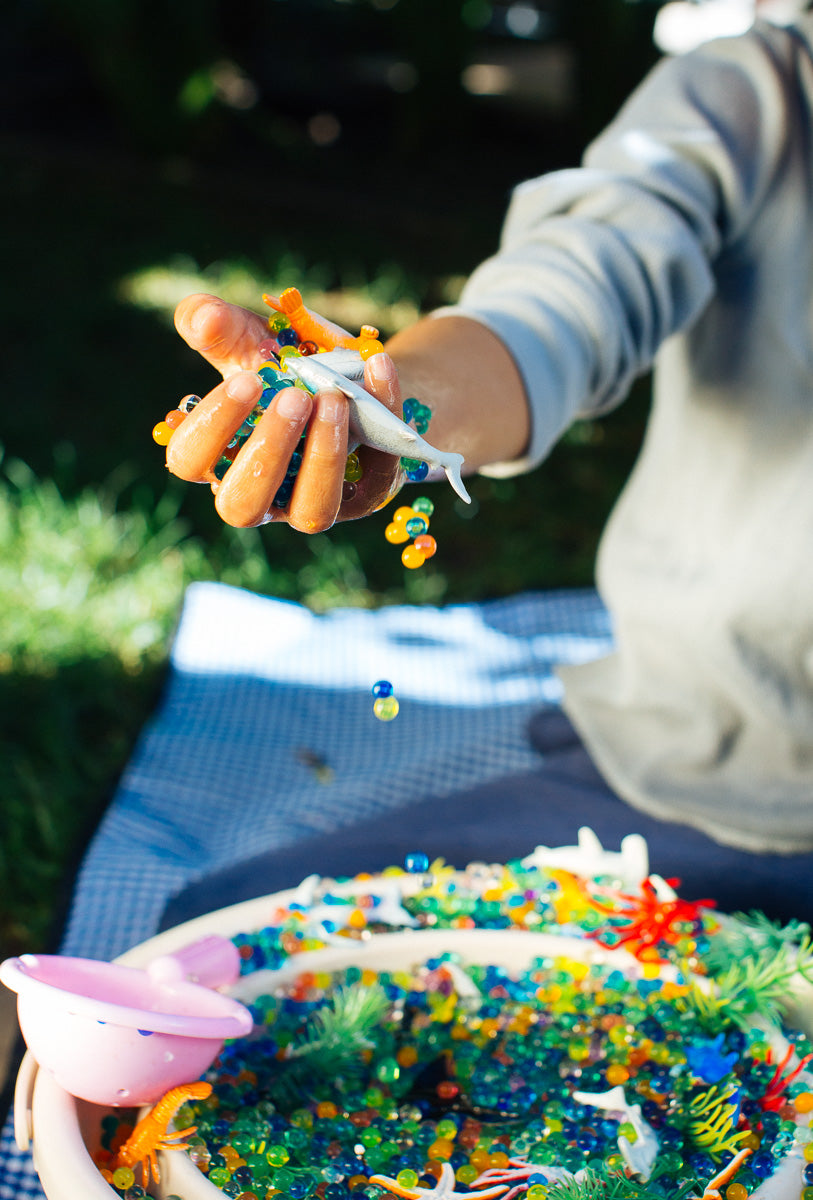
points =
(258, 690)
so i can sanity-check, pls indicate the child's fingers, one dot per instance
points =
(201, 438)
(317, 492)
(225, 335)
(248, 488)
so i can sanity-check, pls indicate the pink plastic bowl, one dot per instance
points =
(118, 1035)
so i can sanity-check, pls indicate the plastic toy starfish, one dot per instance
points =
(444, 1190)
(640, 923)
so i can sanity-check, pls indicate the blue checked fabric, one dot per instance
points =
(257, 686)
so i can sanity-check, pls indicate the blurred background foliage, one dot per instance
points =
(363, 150)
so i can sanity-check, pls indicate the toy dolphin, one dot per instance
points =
(370, 421)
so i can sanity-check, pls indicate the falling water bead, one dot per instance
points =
(423, 505)
(386, 708)
(412, 557)
(403, 514)
(415, 526)
(416, 863)
(382, 688)
(426, 544)
(396, 533)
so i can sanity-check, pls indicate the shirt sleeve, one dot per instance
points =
(597, 266)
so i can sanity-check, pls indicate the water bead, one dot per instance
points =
(287, 337)
(306, 349)
(352, 469)
(382, 687)
(426, 544)
(412, 558)
(369, 347)
(403, 514)
(161, 433)
(289, 352)
(278, 321)
(407, 1178)
(386, 708)
(415, 526)
(803, 1102)
(188, 403)
(416, 470)
(417, 863)
(395, 533)
(423, 505)
(407, 409)
(123, 1178)
(175, 418)
(267, 348)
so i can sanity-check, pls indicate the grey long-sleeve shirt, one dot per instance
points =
(687, 239)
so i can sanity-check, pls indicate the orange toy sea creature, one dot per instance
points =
(150, 1134)
(712, 1189)
(641, 923)
(310, 327)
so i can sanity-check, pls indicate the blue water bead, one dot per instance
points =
(287, 337)
(762, 1165)
(416, 863)
(284, 493)
(294, 465)
(808, 1173)
(418, 474)
(408, 409)
(416, 526)
(381, 689)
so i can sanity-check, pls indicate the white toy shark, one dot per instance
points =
(590, 860)
(639, 1155)
(370, 421)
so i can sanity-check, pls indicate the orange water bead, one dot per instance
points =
(426, 544)
(441, 1148)
(803, 1103)
(407, 1056)
(736, 1191)
(162, 433)
(498, 1160)
(370, 346)
(403, 514)
(175, 418)
(480, 1159)
(357, 919)
(326, 1110)
(616, 1073)
(357, 1181)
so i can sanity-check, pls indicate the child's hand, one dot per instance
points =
(228, 337)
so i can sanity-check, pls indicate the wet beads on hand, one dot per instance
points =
(352, 469)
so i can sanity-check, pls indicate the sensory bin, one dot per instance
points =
(507, 1029)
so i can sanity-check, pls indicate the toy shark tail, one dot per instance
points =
(451, 464)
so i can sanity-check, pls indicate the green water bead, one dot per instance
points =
(276, 1156)
(387, 1070)
(281, 1178)
(219, 1175)
(423, 505)
(278, 322)
(407, 1178)
(447, 1128)
(370, 1137)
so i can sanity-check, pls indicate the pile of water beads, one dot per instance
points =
(385, 705)
(412, 521)
(498, 1077)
